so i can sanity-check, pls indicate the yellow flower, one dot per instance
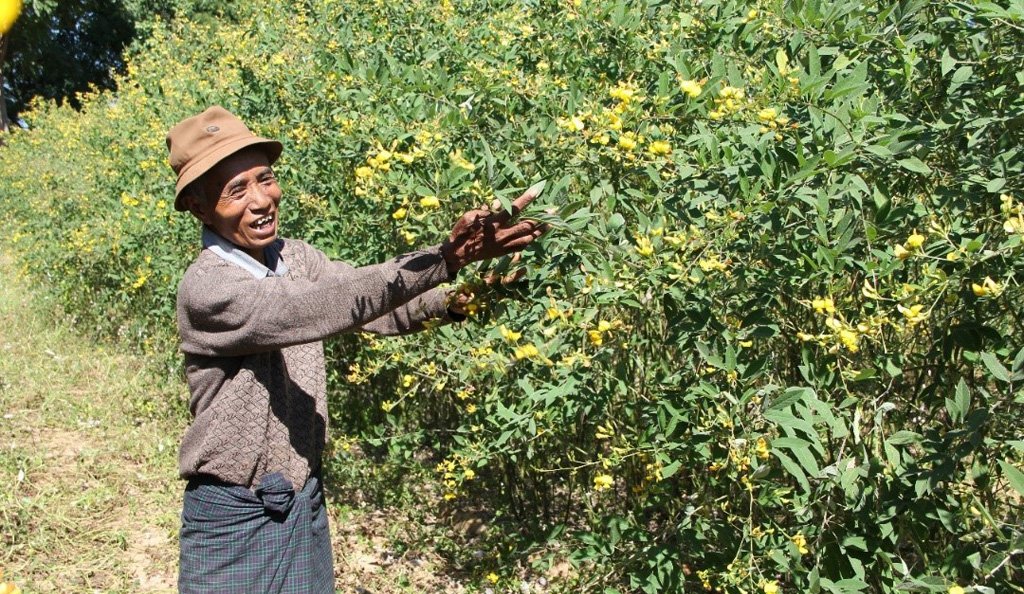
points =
(407, 380)
(752, 14)
(603, 481)
(469, 474)
(801, 543)
(823, 305)
(527, 351)
(644, 247)
(363, 172)
(509, 335)
(470, 408)
(914, 314)
(387, 405)
(449, 496)
(850, 339)
(762, 448)
(459, 161)
(493, 578)
(409, 237)
(430, 202)
(988, 287)
(733, 93)
(691, 88)
(604, 326)
(627, 142)
(399, 214)
(915, 241)
(623, 92)
(1014, 225)
(771, 587)
(577, 123)
(901, 252)
(141, 280)
(955, 589)
(767, 114)
(660, 147)
(9, 11)
(595, 336)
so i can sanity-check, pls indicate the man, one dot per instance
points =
(252, 311)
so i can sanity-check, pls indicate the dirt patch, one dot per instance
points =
(369, 558)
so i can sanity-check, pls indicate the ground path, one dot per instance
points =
(89, 499)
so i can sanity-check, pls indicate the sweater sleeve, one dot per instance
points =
(225, 311)
(412, 316)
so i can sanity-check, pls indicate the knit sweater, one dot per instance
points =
(254, 359)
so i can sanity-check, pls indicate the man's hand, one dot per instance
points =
(468, 298)
(482, 234)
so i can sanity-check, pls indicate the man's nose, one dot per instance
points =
(260, 197)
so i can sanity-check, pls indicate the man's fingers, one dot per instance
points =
(520, 203)
(524, 227)
(512, 277)
(514, 244)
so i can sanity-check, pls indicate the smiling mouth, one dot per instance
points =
(263, 222)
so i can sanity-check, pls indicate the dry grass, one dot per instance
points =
(88, 492)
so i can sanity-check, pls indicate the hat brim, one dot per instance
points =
(207, 162)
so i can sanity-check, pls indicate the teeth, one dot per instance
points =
(264, 221)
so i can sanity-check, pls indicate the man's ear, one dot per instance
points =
(197, 206)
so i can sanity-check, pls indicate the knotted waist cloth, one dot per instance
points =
(274, 540)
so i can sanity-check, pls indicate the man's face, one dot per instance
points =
(242, 201)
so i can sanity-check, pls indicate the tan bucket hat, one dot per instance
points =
(198, 143)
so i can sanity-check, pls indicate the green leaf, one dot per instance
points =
(789, 396)
(847, 586)
(948, 62)
(670, 469)
(794, 469)
(904, 438)
(960, 403)
(1013, 475)
(854, 83)
(801, 450)
(995, 185)
(916, 165)
(995, 367)
(961, 76)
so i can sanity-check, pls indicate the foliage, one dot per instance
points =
(59, 49)
(773, 341)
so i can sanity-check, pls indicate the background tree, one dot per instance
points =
(59, 49)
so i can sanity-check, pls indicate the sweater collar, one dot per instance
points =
(232, 253)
